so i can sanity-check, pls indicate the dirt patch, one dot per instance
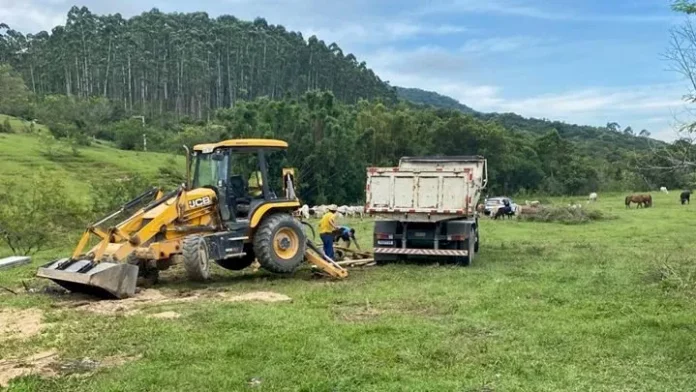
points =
(261, 296)
(35, 364)
(165, 315)
(49, 364)
(85, 366)
(19, 324)
(152, 297)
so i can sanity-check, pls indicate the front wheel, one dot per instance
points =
(280, 243)
(196, 260)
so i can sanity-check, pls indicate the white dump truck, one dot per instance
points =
(426, 207)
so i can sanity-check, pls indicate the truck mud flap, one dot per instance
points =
(421, 252)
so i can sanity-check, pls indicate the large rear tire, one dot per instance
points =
(196, 260)
(279, 243)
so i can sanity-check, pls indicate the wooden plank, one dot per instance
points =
(14, 261)
(355, 263)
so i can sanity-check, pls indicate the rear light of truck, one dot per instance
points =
(457, 237)
(384, 236)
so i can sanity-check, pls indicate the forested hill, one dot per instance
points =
(187, 63)
(431, 98)
(593, 138)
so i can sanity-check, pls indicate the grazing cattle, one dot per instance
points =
(664, 190)
(685, 197)
(503, 211)
(643, 200)
(593, 197)
(358, 210)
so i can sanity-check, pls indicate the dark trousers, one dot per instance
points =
(327, 240)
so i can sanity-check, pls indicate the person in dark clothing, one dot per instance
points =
(346, 234)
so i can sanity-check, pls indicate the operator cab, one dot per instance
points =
(244, 174)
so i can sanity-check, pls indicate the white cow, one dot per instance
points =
(345, 211)
(319, 211)
(304, 211)
(664, 190)
(593, 197)
(358, 211)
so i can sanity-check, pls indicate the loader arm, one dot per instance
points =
(102, 270)
(324, 263)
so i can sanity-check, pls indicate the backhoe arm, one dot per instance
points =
(317, 258)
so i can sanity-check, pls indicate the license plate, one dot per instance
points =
(419, 234)
(386, 243)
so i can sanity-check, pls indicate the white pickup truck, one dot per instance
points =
(426, 207)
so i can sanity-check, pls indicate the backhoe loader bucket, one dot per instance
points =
(106, 280)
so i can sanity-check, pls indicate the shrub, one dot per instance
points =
(37, 214)
(108, 194)
(566, 215)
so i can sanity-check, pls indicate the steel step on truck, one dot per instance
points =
(426, 207)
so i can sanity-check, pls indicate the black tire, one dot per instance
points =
(238, 263)
(476, 245)
(385, 259)
(147, 275)
(279, 243)
(470, 245)
(196, 260)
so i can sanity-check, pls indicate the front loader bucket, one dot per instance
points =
(106, 280)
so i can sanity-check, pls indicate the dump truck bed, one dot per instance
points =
(426, 189)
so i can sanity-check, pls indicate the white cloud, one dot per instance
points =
(530, 9)
(437, 69)
(502, 44)
(26, 15)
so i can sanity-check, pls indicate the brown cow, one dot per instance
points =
(643, 200)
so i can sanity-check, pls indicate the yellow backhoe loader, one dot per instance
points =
(235, 207)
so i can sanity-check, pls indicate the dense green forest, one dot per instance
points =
(431, 98)
(186, 78)
(189, 64)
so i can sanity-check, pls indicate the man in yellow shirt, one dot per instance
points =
(255, 184)
(327, 226)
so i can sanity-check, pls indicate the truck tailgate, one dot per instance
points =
(409, 191)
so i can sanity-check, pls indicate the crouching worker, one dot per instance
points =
(346, 234)
(327, 227)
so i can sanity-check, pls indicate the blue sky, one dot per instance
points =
(587, 62)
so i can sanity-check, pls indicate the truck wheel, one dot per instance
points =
(196, 261)
(470, 245)
(385, 259)
(238, 263)
(476, 245)
(279, 244)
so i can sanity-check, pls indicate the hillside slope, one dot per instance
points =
(431, 98)
(21, 156)
(591, 136)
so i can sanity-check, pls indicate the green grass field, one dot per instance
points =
(606, 306)
(23, 155)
